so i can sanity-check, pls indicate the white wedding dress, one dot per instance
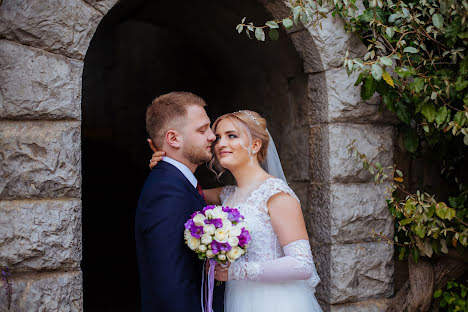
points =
(269, 278)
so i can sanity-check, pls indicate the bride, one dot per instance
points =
(277, 273)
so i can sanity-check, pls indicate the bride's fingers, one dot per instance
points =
(159, 154)
(151, 145)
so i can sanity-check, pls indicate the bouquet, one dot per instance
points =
(218, 234)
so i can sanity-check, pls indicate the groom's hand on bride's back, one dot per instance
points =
(157, 155)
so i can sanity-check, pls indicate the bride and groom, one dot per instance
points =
(277, 273)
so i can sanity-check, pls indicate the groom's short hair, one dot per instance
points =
(166, 111)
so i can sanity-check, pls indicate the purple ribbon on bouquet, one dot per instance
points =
(207, 290)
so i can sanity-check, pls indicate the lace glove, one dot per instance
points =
(297, 264)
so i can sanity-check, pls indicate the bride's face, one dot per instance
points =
(228, 148)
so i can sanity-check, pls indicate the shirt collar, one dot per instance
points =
(183, 168)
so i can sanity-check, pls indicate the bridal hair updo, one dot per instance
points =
(249, 124)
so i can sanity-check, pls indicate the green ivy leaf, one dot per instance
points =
(411, 140)
(359, 79)
(438, 293)
(404, 72)
(438, 20)
(296, 11)
(460, 118)
(273, 34)
(418, 85)
(287, 23)
(260, 34)
(376, 71)
(441, 115)
(272, 24)
(390, 32)
(402, 112)
(461, 83)
(410, 50)
(368, 88)
(415, 254)
(386, 60)
(428, 110)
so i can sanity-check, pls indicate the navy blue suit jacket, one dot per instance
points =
(170, 273)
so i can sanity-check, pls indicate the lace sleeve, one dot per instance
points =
(226, 192)
(297, 264)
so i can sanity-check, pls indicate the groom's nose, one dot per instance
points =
(211, 136)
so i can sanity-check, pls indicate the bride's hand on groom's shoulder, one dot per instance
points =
(157, 155)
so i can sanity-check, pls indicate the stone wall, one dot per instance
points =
(41, 62)
(42, 49)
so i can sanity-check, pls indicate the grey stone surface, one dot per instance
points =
(356, 210)
(345, 103)
(35, 84)
(376, 141)
(376, 305)
(40, 159)
(318, 98)
(349, 213)
(60, 26)
(308, 51)
(51, 292)
(333, 41)
(102, 6)
(360, 271)
(38, 235)
(319, 163)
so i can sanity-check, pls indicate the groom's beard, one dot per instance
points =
(196, 154)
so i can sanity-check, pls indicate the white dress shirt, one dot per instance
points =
(183, 168)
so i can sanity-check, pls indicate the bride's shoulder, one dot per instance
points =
(274, 186)
(226, 191)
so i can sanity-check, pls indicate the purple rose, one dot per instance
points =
(208, 208)
(216, 247)
(189, 223)
(196, 231)
(216, 222)
(244, 238)
(233, 214)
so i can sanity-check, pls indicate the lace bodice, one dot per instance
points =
(265, 256)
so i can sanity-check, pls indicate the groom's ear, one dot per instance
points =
(173, 138)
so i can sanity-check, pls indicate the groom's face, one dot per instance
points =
(197, 136)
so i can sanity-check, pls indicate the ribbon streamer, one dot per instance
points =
(207, 290)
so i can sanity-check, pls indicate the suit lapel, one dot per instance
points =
(180, 176)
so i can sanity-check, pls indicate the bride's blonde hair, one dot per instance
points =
(254, 127)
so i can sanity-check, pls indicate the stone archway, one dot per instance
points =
(41, 60)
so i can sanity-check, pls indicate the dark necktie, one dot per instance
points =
(200, 191)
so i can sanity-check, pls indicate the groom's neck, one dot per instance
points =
(182, 160)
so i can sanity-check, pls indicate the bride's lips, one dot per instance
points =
(223, 154)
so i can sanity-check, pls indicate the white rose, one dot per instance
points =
(235, 231)
(233, 241)
(222, 257)
(227, 224)
(209, 254)
(193, 242)
(209, 214)
(234, 253)
(187, 234)
(218, 213)
(199, 220)
(221, 235)
(209, 229)
(202, 248)
(206, 239)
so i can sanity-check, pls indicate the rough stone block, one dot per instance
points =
(376, 141)
(102, 6)
(356, 210)
(333, 41)
(35, 84)
(376, 305)
(40, 235)
(40, 159)
(319, 154)
(318, 98)
(52, 292)
(60, 26)
(360, 271)
(305, 46)
(345, 103)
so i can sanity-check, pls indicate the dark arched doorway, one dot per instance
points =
(145, 48)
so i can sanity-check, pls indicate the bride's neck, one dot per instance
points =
(249, 174)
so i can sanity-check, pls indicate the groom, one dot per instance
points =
(170, 273)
